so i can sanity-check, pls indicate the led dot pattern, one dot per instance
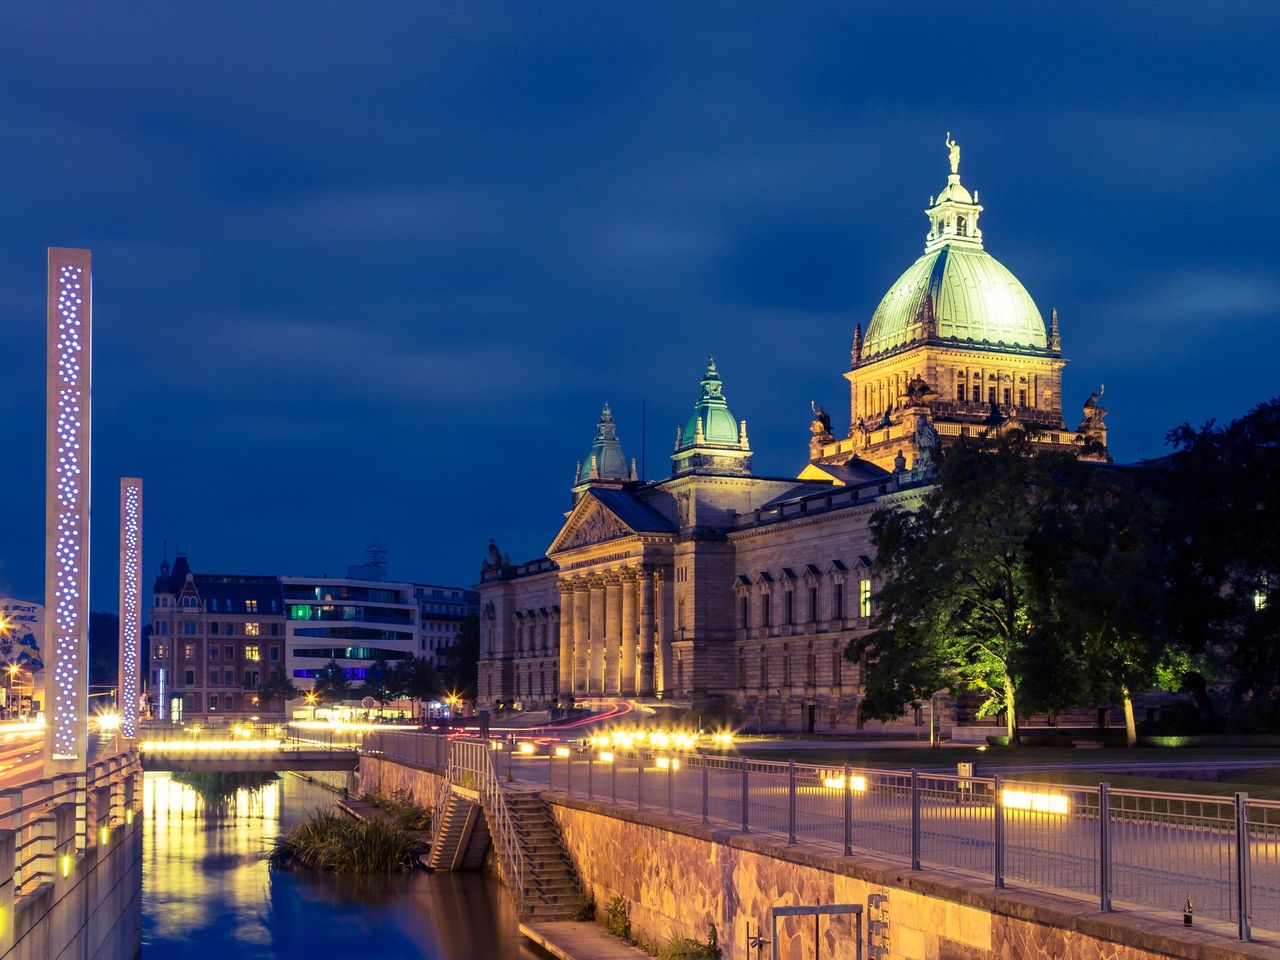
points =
(130, 600)
(67, 506)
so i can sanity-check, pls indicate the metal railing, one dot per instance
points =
(471, 765)
(1140, 848)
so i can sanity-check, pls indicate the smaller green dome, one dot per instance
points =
(605, 454)
(718, 424)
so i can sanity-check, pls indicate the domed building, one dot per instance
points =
(715, 584)
(957, 347)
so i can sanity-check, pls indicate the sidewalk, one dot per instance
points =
(579, 940)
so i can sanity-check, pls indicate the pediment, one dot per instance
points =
(589, 523)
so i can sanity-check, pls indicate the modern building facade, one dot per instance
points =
(715, 582)
(353, 622)
(215, 638)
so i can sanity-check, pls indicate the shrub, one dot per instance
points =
(335, 843)
(687, 948)
(617, 918)
(405, 813)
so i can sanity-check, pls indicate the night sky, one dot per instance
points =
(368, 271)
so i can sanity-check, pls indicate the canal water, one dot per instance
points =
(207, 891)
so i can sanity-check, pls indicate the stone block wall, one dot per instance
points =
(385, 776)
(679, 878)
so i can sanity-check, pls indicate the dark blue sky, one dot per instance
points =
(368, 271)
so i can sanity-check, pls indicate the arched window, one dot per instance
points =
(961, 226)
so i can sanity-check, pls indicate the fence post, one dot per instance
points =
(613, 782)
(1104, 847)
(1244, 893)
(706, 797)
(746, 820)
(915, 820)
(791, 801)
(568, 773)
(999, 824)
(639, 780)
(591, 766)
(671, 795)
(847, 800)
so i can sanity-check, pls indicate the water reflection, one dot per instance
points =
(208, 892)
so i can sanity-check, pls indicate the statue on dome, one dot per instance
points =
(927, 443)
(919, 391)
(821, 419)
(954, 149)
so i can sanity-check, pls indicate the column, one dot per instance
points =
(630, 585)
(612, 634)
(595, 685)
(565, 624)
(581, 637)
(130, 602)
(663, 612)
(645, 583)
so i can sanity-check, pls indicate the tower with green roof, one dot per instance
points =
(605, 464)
(711, 440)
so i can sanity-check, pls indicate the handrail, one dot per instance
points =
(475, 757)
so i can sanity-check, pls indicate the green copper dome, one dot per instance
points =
(959, 292)
(605, 460)
(718, 424)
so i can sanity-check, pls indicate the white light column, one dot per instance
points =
(130, 602)
(66, 528)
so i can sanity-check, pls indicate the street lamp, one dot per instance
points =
(311, 702)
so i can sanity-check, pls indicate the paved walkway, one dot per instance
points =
(579, 940)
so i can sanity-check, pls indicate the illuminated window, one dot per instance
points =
(251, 629)
(864, 598)
(161, 650)
(189, 651)
(251, 652)
(251, 606)
(1260, 595)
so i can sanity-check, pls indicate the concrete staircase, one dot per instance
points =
(461, 837)
(551, 889)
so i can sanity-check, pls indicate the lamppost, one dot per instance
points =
(311, 702)
(12, 671)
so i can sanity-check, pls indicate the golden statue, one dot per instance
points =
(954, 148)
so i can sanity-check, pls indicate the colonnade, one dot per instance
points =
(610, 628)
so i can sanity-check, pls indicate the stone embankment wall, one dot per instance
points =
(680, 878)
(386, 776)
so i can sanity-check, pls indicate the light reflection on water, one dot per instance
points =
(208, 892)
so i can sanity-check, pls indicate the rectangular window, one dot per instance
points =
(1022, 398)
(228, 677)
(788, 607)
(837, 602)
(188, 651)
(213, 702)
(251, 629)
(161, 651)
(991, 395)
(229, 652)
(1008, 396)
(251, 678)
(275, 629)
(213, 628)
(228, 701)
(764, 610)
(743, 620)
(960, 392)
(190, 677)
(213, 651)
(189, 628)
(274, 654)
(229, 628)
(977, 393)
(251, 652)
(813, 604)
(864, 598)
(251, 606)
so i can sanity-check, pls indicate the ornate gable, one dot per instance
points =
(590, 522)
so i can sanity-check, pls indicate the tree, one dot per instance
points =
(277, 686)
(380, 681)
(462, 660)
(959, 606)
(416, 679)
(332, 685)
(1104, 571)
(1223, 484)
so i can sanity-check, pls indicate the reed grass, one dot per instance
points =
(335, 843)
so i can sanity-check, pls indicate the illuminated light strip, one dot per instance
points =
(67, 499)
(208, 746)
(1036, 802)
(130, 600)
(354, 727)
